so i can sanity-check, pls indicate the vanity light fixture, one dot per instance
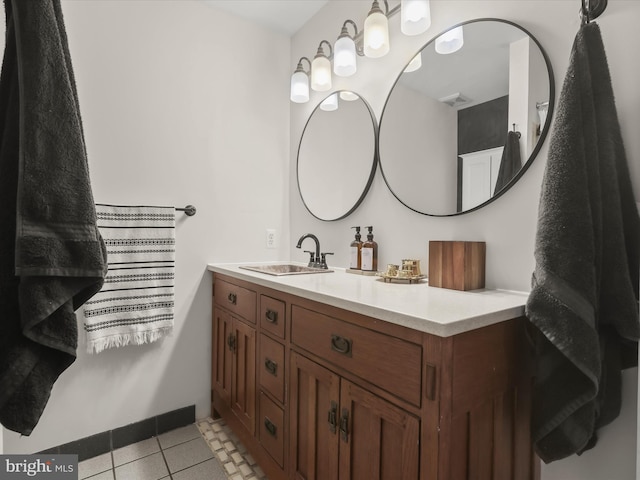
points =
(330, 103)
(376, 31)
(344, 58)
(300, 83)
(451, 41)
(371, 41)
(348, 96)
(321, 69)
(414, 64)
(415, 16)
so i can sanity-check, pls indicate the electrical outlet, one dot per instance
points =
(271, 238)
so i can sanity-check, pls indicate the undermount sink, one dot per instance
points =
(285, 269)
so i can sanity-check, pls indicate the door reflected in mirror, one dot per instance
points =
(337, 156)
(445, 142)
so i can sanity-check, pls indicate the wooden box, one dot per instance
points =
(457, 265)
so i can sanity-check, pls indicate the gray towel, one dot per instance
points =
(584, 294)
(52, 258)
(510, 163)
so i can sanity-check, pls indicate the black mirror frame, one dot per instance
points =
(543, 133)
(374, 163)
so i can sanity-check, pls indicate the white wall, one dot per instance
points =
(428, 138)
(182, 104)
(508, 224)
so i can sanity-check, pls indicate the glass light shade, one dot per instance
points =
(299, 87)
(376, 35)
(348, 96)
(414, 64)
(415, 16)
(450, 41)
(344, 57)
(330, 103)
(321, 73)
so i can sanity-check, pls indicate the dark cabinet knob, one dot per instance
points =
(271, 316)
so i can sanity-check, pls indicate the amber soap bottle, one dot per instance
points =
(370, 253)
(355, 251)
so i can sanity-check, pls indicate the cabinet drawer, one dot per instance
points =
(271, 425)
(236, 299)
(272, 315)
(388, 362)
(271, 367)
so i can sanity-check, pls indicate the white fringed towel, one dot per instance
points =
(135, 305)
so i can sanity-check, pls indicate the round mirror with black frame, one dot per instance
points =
(461, 129)
(337, 156)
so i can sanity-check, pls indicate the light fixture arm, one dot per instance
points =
(376, 8)
(345, 33)
(321, 50)
(300, 68)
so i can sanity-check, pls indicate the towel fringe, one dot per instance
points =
(122, 340)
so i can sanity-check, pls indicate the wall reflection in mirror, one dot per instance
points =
(445, 142)
(337, 156)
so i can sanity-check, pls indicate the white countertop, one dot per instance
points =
(437, 311)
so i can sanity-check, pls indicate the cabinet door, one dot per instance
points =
(243, 388)
(314, 416)
(378, 441)
(222, 353)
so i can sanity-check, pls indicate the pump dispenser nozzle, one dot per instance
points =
(370, 234)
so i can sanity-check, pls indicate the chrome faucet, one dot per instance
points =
(317, 260)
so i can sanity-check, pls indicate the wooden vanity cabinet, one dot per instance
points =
(339, 395)
(234, 350)
(340, 430)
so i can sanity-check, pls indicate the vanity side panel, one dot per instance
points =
(491, 381)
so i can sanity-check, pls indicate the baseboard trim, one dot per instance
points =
(104, 442)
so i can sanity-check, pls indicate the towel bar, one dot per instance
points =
(190, 210)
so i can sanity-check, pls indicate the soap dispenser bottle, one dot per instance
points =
(370, 253)
(355, 251)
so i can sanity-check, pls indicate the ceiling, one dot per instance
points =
(284, 16)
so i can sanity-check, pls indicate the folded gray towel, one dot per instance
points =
(585, 286)
(52, 258)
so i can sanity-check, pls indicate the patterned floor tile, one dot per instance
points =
(229, 451)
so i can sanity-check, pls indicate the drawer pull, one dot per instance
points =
(341, 345)
(271, 316)
(271, 366)
(333, 417)
(232, 297)
(231, 341)
(271, 428)
(344, 425)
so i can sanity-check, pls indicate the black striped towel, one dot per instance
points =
(135, 305)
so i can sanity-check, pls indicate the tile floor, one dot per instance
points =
(207, 450)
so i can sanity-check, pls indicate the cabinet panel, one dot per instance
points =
(271, 367)
(313, 436)
(271, 428)
(237, 300)
(222, 353)
(380, 441)
(272, 315)
(243, 388)
(388, 362)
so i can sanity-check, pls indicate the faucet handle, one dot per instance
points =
(323, 261)
(312, 258)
